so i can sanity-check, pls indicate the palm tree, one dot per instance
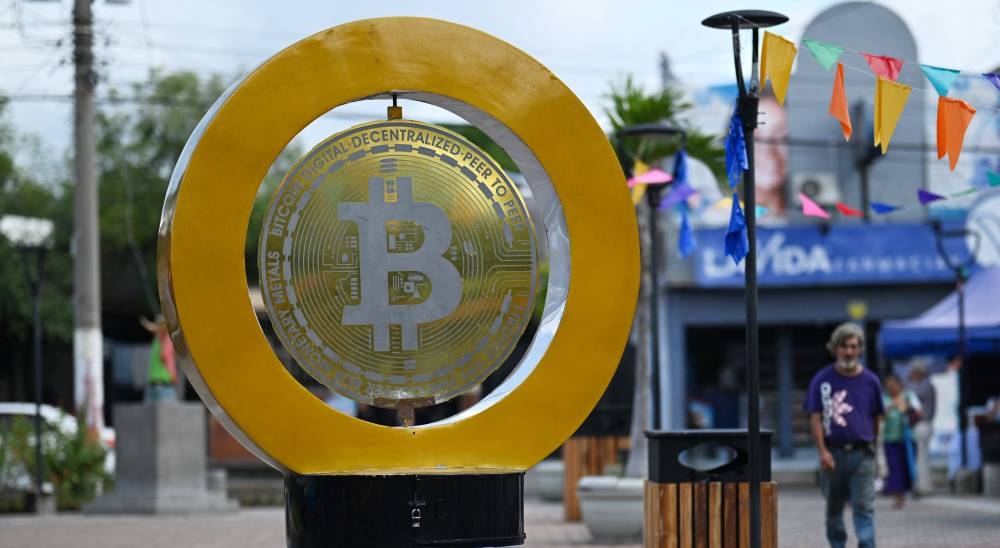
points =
(631, 105)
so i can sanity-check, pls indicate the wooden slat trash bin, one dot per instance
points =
(586, 456)
(690, 508)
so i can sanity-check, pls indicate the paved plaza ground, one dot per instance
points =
(940, 521)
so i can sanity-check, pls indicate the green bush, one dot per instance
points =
(73, 463)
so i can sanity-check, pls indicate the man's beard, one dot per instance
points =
(848, 365)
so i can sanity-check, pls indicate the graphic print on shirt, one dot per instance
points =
(834, 406)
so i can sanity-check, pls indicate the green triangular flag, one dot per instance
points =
(964, 192)
(826, 54)
(993, 177)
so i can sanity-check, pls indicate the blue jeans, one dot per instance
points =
(852, 479)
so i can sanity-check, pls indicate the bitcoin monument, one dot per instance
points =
(399, 266)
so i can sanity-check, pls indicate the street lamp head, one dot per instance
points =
(650, 130)
(745, 19)
(27, 232)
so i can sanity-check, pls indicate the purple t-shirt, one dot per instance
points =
(849, 406)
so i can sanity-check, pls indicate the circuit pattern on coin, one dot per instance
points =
(398, 264)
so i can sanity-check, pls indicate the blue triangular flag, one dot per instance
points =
(737, 244)
(677, 195)
(993, 78)
(928, 197)
(736, 151)
(685, 240)
(881, 209)
(680, 168)
(940, 78)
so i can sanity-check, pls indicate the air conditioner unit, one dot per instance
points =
(821, 188)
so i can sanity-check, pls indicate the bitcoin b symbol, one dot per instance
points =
(380, 255)
(398, 264)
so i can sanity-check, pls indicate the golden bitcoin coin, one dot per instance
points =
(398, 264)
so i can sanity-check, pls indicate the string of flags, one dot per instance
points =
(953, 115)
(953, 119)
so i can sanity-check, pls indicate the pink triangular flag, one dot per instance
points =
(886, 67)
(651, 177)
(811, 208)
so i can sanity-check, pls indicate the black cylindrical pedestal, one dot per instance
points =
(400, 511)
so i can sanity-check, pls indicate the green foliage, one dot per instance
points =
(76, 466)
(483, 141)
(139, 139)
(72, 463)
(631, 105)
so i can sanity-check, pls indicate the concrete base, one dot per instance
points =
(160, 462)
(612, 508)
(549, 477)
(43, 505)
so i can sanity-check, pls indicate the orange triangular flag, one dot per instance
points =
(890, 99)
(953, 118)
(838, 103)
(777, 55)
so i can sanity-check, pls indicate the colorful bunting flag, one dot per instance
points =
(680, 167)
(678, 194)
(886, 67)
(881, 209)
(926, 197)
(940, 78)
(838, 103)
(825, 54)
(736, 151)
(737, 245)
(993, 78)
(848, 211)
(890, 99)
(965, 192)
(777, 55)
(638, 191)
(685, 239)
(651, 177)
(953, 118)
(811, 208)
(993, 178)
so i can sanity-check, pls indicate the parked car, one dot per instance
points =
(12, 475)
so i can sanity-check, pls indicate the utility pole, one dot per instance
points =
(88, 351)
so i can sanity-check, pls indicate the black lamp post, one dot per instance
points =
(961, 270)
(746, 108)
(33, 236)
(654, 196)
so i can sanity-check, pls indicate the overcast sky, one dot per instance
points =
(587, 43)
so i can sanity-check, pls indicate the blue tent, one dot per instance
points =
(936, 330)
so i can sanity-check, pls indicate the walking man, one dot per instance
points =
(845, 406)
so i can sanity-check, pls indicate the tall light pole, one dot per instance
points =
(32, 235)
(88, 351)
(654, 194)
(746, 108)
(961, 270)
